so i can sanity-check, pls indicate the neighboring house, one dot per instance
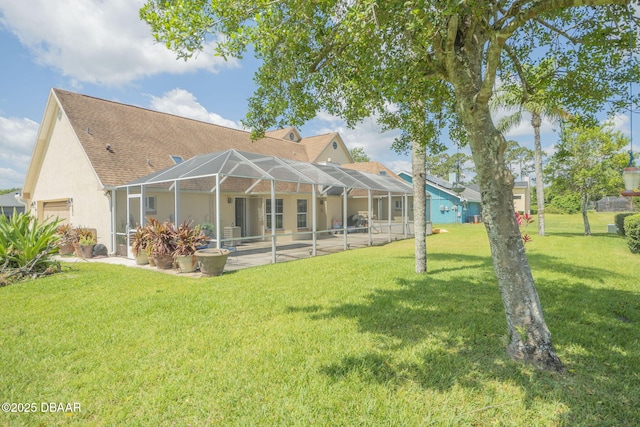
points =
(107, 166)
(444, 205)
(522, 196)
(9, 203)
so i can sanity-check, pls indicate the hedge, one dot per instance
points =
(632, 230)
(619, 220)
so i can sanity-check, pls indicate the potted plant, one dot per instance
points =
(87, 243)
(161, 242)
(187, 241)
(83, 237)
(68, 237)
(139, 245)
(208, 230)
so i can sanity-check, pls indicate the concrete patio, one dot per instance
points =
(256, 253)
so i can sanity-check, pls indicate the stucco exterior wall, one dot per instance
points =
(66, 174)
(522, 199)
(337, 155)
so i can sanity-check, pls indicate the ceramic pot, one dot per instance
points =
(212, 261)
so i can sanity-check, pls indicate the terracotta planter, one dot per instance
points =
(212, 261)
(186, 263)
(65, 249)
(164, 262)
(142, 258)
(87, 251)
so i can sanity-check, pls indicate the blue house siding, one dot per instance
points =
(445, 207)
(448, 209)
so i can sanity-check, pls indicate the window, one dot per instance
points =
(150, 204)
(335, 145)
(398, 205)
(302, 213)
(517, 197)
(279, 214)
(177, 159)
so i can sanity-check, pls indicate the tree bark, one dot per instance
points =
(529, 337)
(536, 122)
(585, 216)
(418, 166)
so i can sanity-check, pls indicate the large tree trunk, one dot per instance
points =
(585, 217)
(536, 122)
(418, 166)
(529, 337)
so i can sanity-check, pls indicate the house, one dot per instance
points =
(8, 203)
(447, 206)
(522, 196)
(109, 166)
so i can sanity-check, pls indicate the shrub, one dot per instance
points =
(619, 220)
(632, 229)
(27, 246)
(567, 203)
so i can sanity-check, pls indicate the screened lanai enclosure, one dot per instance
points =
(269, 208)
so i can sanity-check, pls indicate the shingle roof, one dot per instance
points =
(314, 145)
(140, 141)
(372, 167)
(9, 200)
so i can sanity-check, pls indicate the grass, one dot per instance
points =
(355, 338)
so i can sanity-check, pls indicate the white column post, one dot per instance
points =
(390, 201)
(273, 222)
(218, 222)
(314, 228)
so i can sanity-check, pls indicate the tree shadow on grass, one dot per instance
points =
(453, 322)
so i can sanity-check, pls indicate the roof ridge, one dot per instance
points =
(152, 110)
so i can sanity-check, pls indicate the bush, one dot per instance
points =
(26, 246)
(567, 203)
(619, 220)
(632, 229)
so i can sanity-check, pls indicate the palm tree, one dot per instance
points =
(530, 96)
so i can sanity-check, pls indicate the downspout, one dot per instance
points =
(21, 200)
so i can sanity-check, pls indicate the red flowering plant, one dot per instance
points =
(523, 221)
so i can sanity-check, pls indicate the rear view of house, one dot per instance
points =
(108, 166)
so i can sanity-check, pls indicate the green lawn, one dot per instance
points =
(354, 338)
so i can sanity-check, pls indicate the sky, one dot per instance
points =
(102, 49)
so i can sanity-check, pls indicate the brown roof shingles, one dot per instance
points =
(141, 141)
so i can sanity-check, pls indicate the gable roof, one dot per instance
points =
(372, 167)
(124, 142)
(284, 133)
(315, 145)
(470, 193)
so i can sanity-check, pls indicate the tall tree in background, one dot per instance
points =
(413, 64)
(529, 90)
(358, 155)
(520, 159)
(589, 161)
(441, 165)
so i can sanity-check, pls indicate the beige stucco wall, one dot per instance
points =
(523, 202)
(66, 173)
(337, 155)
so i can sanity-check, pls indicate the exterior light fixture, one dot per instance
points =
(631, 178)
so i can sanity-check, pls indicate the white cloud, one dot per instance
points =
(96, 41)
(183, 103)
(17, 137)
(619, 122)
(367, 134)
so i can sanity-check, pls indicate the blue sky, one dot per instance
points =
(101, 48)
